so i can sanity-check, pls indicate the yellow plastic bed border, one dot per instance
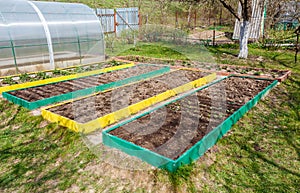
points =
(62, 78)
(116, 116)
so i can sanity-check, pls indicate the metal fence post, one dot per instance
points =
(115, 21)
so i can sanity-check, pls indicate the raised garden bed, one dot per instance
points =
(58, 72)
(221, 69)
(35, 97)
(24, 80)
(190, 125)
(279, 75)
(104, 108)
(227, 70)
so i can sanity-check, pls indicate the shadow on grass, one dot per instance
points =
(264, 154)
(220, 50)
(35, 159)
(289, 65)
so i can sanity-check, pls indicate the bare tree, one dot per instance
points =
(188, 5)
(163, 7)
(244, 18)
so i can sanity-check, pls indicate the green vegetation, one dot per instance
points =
(34, 154)
(259, 154)
(42, 76)
(116, 63)
(60, 72)
(24, 77)
(258, 57)
(159, 51)
(8, 80)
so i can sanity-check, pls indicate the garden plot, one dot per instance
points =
(279, 75)
(182, 130)
(22, 81)
(104, 108)
(42, 95)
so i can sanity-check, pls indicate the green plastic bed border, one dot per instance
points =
(196, 151)
(83, 92)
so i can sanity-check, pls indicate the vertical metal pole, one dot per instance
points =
(11, 44)
(297, 47)
(214, 35)
(14, 55)
(47, 32)
(140, 23)
(220, 19)
(209, 13)
(140, 19)
(264, 19)
(79, 47)
(176, 19)
(195, 19)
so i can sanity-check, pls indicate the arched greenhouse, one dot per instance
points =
(44, 35)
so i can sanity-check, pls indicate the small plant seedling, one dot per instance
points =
(257, 73)
(115, 63)
(8, 80)
(79, 69)
(244, 71)
(42, 75)
(24, 77)
(56, 72)
(60, 72)
(63, 72)
(88, 68)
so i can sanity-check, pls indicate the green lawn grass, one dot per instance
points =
(157, 51)
(258, 57)
(260, 154)
(168, 51)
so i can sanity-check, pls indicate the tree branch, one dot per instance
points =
(230, 9)
(241, 2)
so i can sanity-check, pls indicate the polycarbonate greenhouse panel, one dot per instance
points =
(195, 151)
(22, 33)
(43, 35)
(82, 91)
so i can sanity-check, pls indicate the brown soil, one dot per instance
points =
(55, 89)
(103, 103)
(246, 70)
(183, 123)
(252, 71)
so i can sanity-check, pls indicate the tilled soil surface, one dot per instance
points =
(174, 129)
(271, 73)
(55, 89)
(103, 103)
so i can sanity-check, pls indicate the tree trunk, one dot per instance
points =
(189, 15)
(244, 36)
